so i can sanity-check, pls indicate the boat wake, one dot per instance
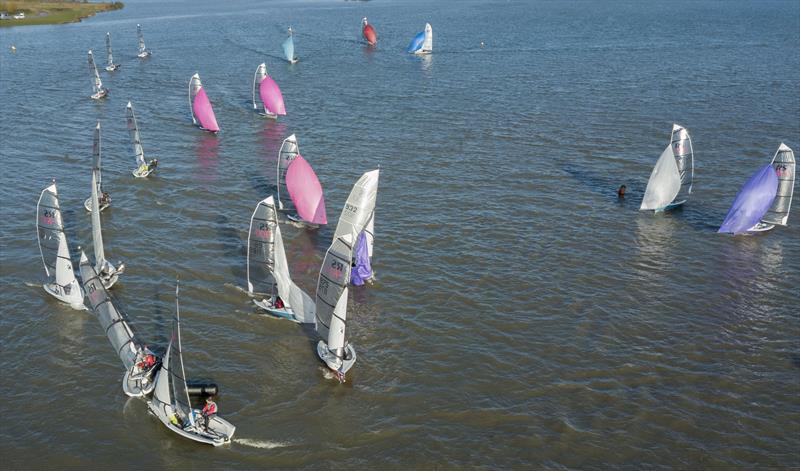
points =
(260, 443)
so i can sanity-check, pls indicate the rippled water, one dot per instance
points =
(523, 317)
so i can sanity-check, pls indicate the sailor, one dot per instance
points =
(148, 361)
(152, 165)
(279, 303)
(105, 198)
(209, 411)
(621, 191)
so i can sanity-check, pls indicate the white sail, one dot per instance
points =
(684, 159)
(108, 51)
(97, 84)
(65, 275)
(142, 50)
(664, 183)
(54, 249)
(332, 290)
(97, 231)
(136, 140)
(427, 44)
(194, 88)
(261, 72)
(359, 210)
(288, 151)
(784, 164)
(288, 48)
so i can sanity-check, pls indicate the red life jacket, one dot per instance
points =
(210, 408)
(150, 360)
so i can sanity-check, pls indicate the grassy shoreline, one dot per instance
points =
(51, 13)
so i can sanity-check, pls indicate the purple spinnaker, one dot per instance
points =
(271, 96)
(363, 268)
(306, 192)
(203, 112)
(752, 202)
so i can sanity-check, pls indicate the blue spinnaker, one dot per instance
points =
(752, 202)
(416, 43)
(363, 268)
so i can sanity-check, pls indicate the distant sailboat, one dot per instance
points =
(97, 176)
(765, 200)
(670, 182)
(138, 378)
(171, 402)
(111, 65)
(143, 52)
(297, 180)
(288, 48)
(268, 269)
(269, 93)
(202, 113)
(422, 42)
(333, 285)
(98, 91)
(143, 168)
(357, 221)
(53, 246)
(368, 32)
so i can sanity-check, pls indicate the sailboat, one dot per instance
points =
(202, 113)
(357, 221)
(55, 252)
(143, 168)
(670, 182)
(104, 199)
(334, 280)
(111, 65)
(170, 402)
(422, 42)
(765, 200)
(270, 94)
(143, 52)
(288, 48)
(306, 203)
(268, 269)
(369, 32)
(107, 272)
(138, 379)
(98, 91)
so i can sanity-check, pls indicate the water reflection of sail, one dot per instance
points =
(207, 156)
(272, 135)
(752, 274)
(654, 240)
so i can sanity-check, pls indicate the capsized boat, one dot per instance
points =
(269, 93)
(288, 48)
(104, 199)
(268, 275)
(765, 200)
(138, 378)
(368, 32)
(305, 205)
(202, 113)
(422, 42)
(111, 65)
(170, 402)
(143, 52)
(98, 91)
(670, 182)
(357, 221)
(143, 168)
(62, 283)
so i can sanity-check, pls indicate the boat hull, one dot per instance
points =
(336, 364)
(74, 298)
(220, 430)
(143, 55)
(100, 95)
(280, 313)
(113, 67)
(88, 205)
(139, 385)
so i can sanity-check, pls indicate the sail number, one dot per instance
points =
(350, 207)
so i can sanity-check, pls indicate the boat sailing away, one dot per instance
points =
(306, 203)
(62, 284)
(111, 65)
(107, 272)
(143, 52)
(288, 48)
(104, 198)
(170, 402)
(765, 200)
(143, 168)
(270, 94)
(138, 378)
(422, 42)
(268, 269)
(357, 221)
(334, 279)
(202, 113)
(670, 182)
(98, 91)
(368, 32)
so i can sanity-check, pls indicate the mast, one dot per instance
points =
(97, 232)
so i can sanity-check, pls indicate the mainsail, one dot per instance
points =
(332, 292)
(170, 389)
(784, 165)
(97, 231)
(288, 48)
(306, 191)
(684, 160)
(108, 52)
(143, 52)
(202, 112)
(752, 202)
(261, 72)
(53, 244)
(136, 140)
(288, 152)
(359, 210)
(97, 84)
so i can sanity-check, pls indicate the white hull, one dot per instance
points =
(268, 115)
(421, 52)
(669, 207)
(113, 67)
(296, 221)
(74, 298)
(100, 94)
(281, 313)
(143, 55)
(761, 227)
(220, 430)
(109, 278)
(336, 364)
(88, 205)
(140, 385)
(136, 173)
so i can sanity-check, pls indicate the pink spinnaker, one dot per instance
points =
(271, 96)
(306, 191)
(203, 112)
